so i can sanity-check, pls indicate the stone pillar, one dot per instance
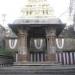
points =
(51, 45)
(22, 47)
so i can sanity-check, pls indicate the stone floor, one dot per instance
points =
(38, 70)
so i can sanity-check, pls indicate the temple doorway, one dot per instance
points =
(37, 45)
(37, 49)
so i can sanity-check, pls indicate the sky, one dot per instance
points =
(12, 8)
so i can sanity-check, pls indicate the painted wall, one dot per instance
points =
(7, 44)
(69, 44)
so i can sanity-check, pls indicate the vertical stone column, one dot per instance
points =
(22, 47)
(51, 45)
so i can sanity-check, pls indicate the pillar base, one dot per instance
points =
(22, 58)
(52, 58)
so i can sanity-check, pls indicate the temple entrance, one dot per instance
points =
(37, 49)
(37, 40)
(37, 45)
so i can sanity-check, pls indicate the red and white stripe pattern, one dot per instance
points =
(65, 57)
(37, 57)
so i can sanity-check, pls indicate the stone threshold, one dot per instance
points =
(35, 63)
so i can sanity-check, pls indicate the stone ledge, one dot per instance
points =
(38, 70)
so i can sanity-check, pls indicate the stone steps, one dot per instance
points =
(38, 70)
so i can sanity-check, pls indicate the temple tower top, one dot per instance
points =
(37, 9)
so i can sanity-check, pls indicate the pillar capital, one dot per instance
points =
(22, 33)
(50, 32)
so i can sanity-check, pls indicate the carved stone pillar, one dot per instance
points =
(22, 47)
(51, 45)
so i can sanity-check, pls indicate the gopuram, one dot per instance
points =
(37, 32)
